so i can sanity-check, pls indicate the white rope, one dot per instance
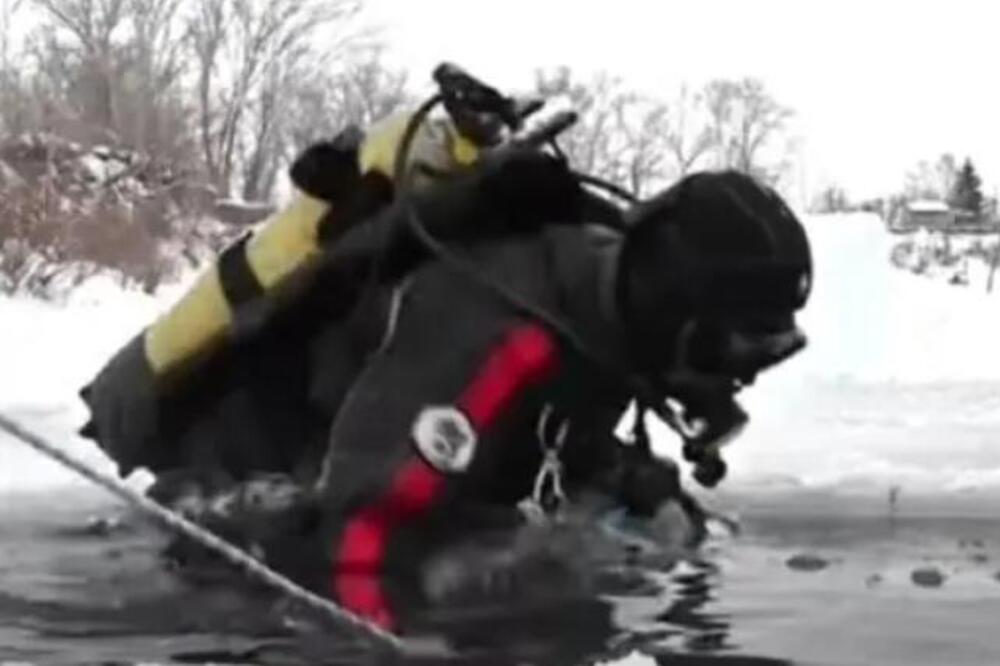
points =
(181, 525)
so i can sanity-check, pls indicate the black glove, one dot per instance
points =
(530, 188)
(123, 406)
(328, 170)
(514, 190)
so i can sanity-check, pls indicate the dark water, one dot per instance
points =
(788, 590)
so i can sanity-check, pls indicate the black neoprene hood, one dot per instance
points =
(715, 243)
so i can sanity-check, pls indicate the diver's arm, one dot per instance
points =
(517, 192)
(419, 435)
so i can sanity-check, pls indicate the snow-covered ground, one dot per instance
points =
(48, 351)
(900, 384)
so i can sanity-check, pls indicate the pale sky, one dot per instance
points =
(876, 86)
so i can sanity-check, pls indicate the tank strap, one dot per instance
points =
(239, 283)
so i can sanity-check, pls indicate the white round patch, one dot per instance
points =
(445, 438)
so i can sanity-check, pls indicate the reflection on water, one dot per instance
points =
(230, 629)
(72, 597)
(703, 631)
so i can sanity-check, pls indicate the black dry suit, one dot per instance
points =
(447, 424)
(447, 380)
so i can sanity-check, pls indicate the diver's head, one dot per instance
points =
(713, 271)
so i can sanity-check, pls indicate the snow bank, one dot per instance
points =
(900, 384)
(870, 321)
(48, 351)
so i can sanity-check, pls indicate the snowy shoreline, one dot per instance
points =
(898, 386)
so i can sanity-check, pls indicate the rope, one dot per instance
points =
(181, 525)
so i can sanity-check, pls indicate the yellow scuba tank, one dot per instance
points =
(286, 243)
(339, 184)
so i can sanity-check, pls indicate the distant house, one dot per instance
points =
(922, 214)
(938, 216)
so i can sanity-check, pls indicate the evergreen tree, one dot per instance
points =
(966, 193)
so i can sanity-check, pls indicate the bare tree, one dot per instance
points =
(154, 116)
(7, 10)
(935, 181)
(831, 199)
(689, 136)
(947, 172)
(318, 98)
(240, 48)
(922, 182)
(111, 71)
(761, 119)
(9, 79)
(92, 24)
(265, 150)
(638, 141)
(622, 136)
(744, 121)
(589, 144)
(639, 149)
(363, 90)
(661, 141)
(720, 102)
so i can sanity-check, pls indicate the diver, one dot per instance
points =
(472, 402)
(417, 397)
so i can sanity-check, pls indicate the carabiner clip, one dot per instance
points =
(550, 472)
(541, 430)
